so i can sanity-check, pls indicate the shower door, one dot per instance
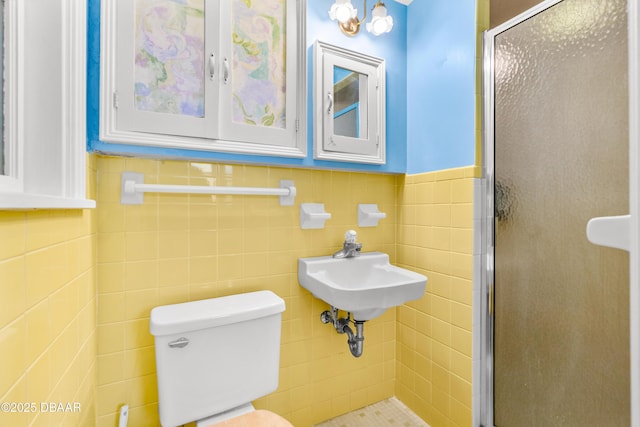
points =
(559, 156)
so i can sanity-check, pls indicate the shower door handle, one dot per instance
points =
(610, 231)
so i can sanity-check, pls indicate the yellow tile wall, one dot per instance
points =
(434, 335)
(76, 288)
(176, 248)
(47, 316)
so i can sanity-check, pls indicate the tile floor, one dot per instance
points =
(390, 412)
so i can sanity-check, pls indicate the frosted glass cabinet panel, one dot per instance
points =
(160, 83)
(258, 70)
(203, 74)
(169, 52)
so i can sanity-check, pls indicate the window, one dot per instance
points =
(10, 174)
(43, 96)
(2, 91)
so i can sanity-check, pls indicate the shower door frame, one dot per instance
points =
(483, 404)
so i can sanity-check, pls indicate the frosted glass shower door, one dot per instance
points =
(560, 158)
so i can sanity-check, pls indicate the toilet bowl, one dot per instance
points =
(257, 418)
(215, 356)
(245, 416)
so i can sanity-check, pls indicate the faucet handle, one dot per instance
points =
(350, 236)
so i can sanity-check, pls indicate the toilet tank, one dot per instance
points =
(216, 354)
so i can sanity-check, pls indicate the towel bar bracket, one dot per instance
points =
(128, 193)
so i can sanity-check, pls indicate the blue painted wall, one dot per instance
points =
(391, 46)
(441, 88)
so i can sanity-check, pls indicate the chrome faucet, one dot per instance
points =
(350, 248)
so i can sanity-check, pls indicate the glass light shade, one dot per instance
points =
(342, 10)
(380, 22)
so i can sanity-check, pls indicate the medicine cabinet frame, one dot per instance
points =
(366, 141)
(215, 132)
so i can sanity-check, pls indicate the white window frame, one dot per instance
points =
(45, 105)
(11, 181)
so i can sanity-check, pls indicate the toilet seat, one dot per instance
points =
(257, 418)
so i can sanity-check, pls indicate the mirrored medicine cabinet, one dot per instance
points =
(349, 105)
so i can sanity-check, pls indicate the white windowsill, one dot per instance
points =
(21, 201)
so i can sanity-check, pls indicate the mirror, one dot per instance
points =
(349, 105)
(349, 117)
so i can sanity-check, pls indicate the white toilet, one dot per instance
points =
(213, 357)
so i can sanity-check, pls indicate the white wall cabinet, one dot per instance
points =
(215, 75)
(349, 105)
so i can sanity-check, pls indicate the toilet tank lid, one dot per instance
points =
(210, 313)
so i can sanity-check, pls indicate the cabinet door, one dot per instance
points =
(166, 77)
(259, 78)
(213, 75)
(349, 105)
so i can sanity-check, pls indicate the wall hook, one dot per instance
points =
(313, 216)
(369, 215)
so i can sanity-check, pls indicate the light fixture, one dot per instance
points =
(347, 17)
(380, 22)
(343, 11)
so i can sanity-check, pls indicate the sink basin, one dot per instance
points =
(365, 286)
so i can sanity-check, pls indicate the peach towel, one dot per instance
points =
(256, 418)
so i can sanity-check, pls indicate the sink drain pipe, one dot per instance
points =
(355, 341)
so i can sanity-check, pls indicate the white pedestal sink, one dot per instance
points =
(365, 285)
